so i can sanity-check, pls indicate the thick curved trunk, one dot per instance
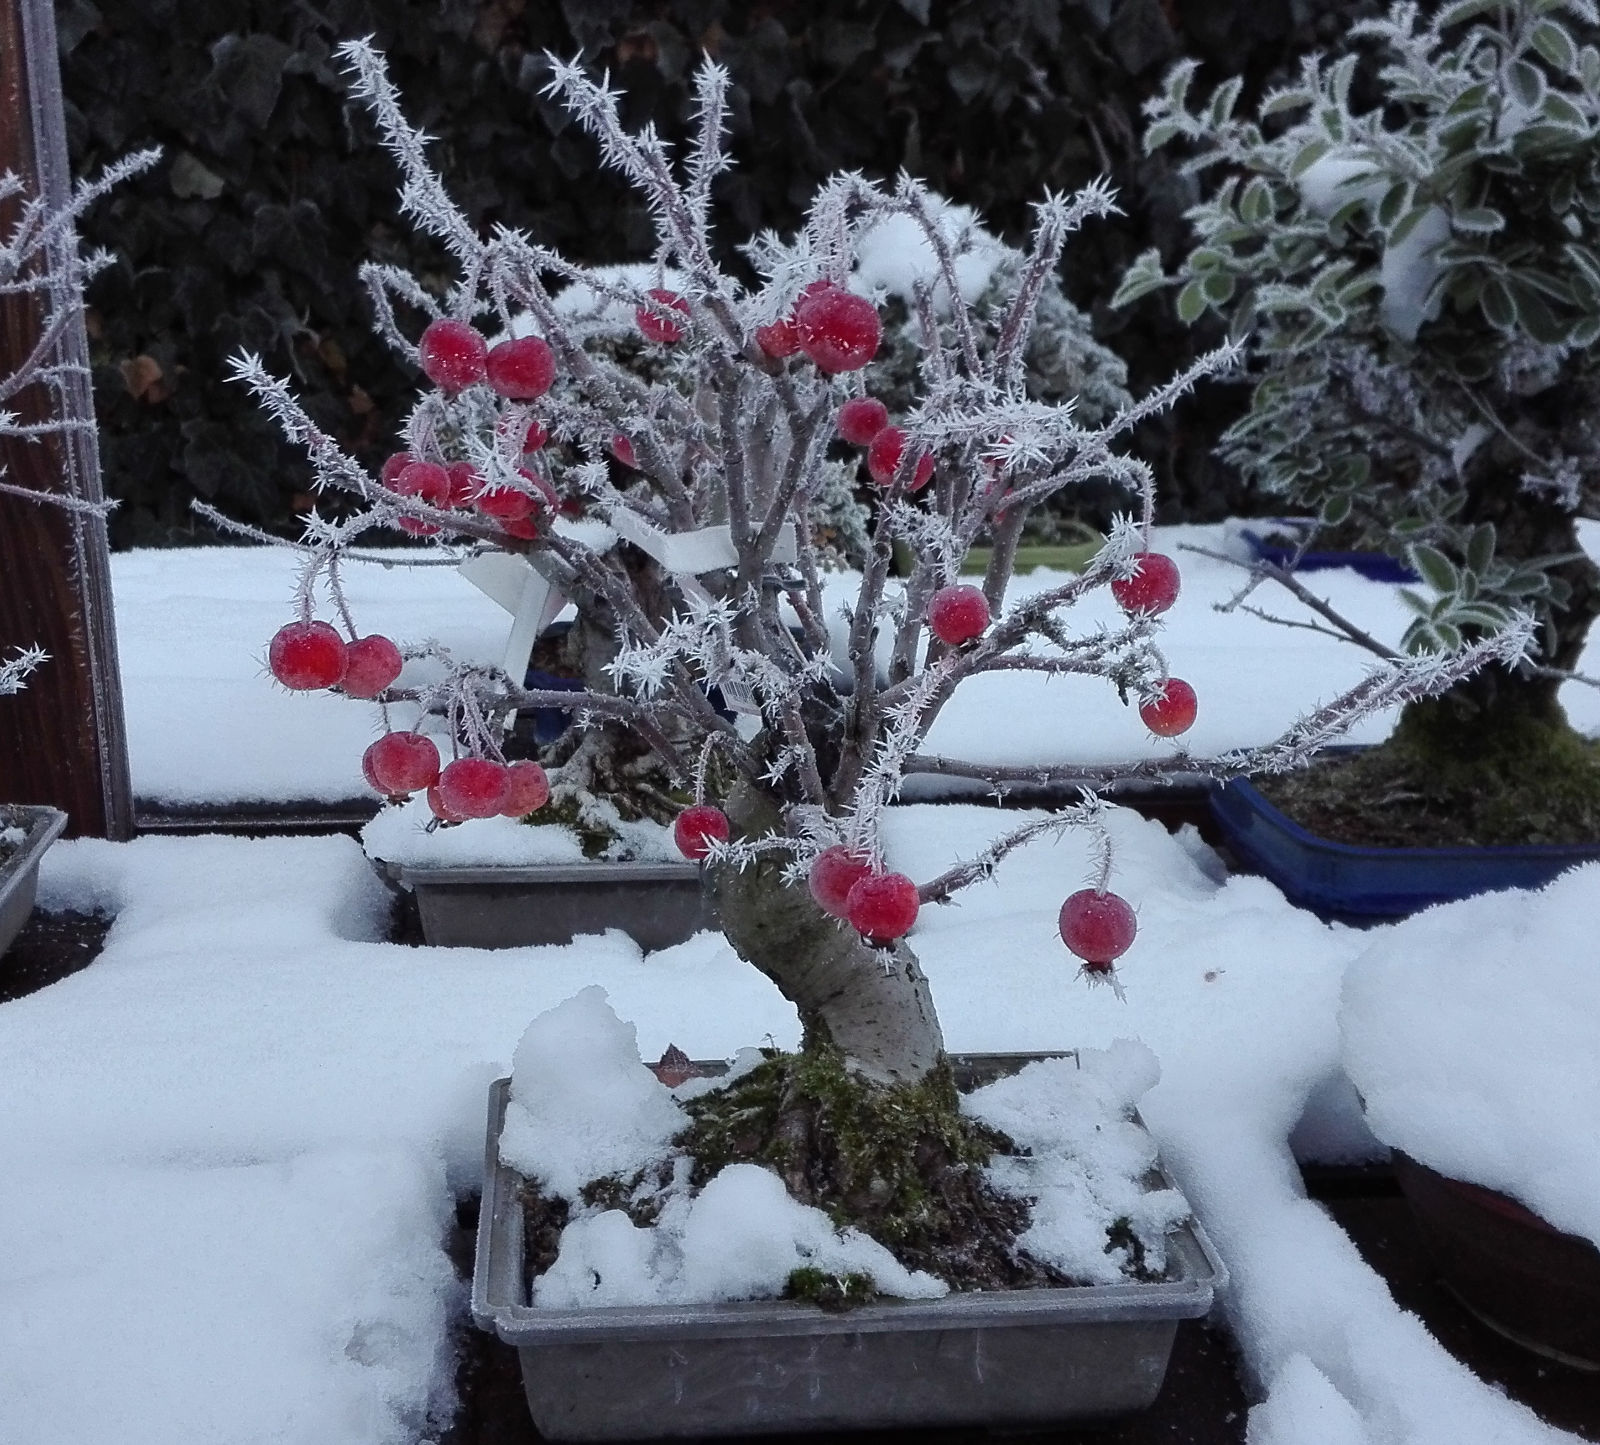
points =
(872, 1004)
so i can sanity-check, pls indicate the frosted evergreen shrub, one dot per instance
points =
(1410, 233)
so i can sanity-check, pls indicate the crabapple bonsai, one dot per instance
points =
(726, 453)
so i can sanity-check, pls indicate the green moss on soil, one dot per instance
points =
(567, 813)
(1443, 780)
(902, 1164)
(836, 1292)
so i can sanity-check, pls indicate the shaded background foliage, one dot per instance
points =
(273, 188)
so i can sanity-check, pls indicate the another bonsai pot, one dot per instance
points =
(1351, 884)
(655, 904)
(1523, 1278)
(1020, 1359)
(1376, 566)
(19, 869)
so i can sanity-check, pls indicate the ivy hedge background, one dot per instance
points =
(272, 189)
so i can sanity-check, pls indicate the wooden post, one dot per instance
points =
(62, 739)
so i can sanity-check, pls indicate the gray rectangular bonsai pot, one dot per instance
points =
(1026, 1358)
(19, 873)
(655, 904)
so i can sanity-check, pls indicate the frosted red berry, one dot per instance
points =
(440, 809)
(528, 789)
(427, 480)
(474, 787)
(834, 872)
(655, 326)
(778, 340)
(524, 528)
(622, 450)
(370, 776)
(392, 468)
(521, 370)
(958, 614)
(883, 459)
(307, 655)
(861, 419)
(1153, 588)
(1172, 711)
(882, 906)
(544, 495)
(1098, 927)
(403, 763)
(465, 484)
(694, 829)
(454, 356)
(505, 504)
(535, 437)
(837, 329)
(372, 664)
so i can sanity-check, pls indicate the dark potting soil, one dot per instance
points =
(1385, 798)
(50, 947)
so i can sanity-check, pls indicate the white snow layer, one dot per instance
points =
(1473, 1034)
(582, 1107)
(207, 725)
(246, 1058)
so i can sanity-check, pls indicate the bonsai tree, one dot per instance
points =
(1411, 240)
(677, 515)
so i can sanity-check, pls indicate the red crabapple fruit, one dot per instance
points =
(1173, 711)
(883, 459)
(882, 906)
(373, 663)
(465, 484)
(861, 419)
(474, 787)
(694, 828)
(778, 340)
(454, 356)
(1098, 927)
(622, 450)
(838, 330)
(392, 468)
(1152, 588)
(958, 614)
(403, 763)
(521, 370)
(528, 789)
(657, 327)
(834, 872)
(307, 655)
(440, 809)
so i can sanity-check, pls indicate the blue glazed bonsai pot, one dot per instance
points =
(1345, 883)
(1377, 566)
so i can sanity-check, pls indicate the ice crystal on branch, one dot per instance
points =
(682, 482)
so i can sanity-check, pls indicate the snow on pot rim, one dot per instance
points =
(399, 835)
(1469, 1032)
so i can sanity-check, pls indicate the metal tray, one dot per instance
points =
(655, 904)
(19, 874)
(1014, 1359)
